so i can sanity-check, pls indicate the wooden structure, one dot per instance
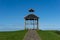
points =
(31, 17)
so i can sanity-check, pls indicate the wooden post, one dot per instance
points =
(37, 25)
(25, 24)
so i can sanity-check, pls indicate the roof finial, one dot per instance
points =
(31, 10)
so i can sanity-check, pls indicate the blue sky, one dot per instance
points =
(12, 13)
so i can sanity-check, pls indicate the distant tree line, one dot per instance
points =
(58, 32)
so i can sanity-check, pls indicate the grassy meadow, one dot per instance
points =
(19, 35)
(13, 35)
(49, 35)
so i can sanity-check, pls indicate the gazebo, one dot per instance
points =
(31, 19)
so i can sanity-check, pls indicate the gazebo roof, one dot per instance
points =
(31, 17)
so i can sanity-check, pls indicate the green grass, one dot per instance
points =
(12, 35)
(48, 35)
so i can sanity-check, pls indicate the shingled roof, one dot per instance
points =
(31, 17)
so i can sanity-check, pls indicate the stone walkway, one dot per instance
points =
(31, 35)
